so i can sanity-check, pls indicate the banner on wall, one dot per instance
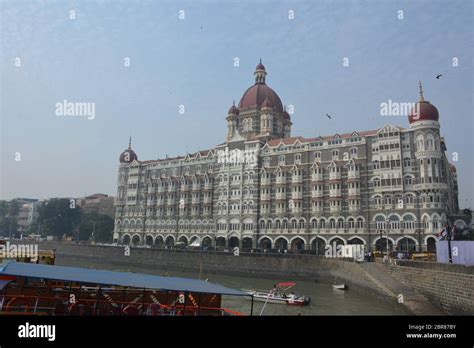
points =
(462, 252)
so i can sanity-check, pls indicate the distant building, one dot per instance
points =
(28, 209)
(263, 188)
(97, 203)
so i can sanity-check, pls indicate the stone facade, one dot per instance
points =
(263, 189)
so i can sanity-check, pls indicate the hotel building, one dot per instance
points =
(265, 189)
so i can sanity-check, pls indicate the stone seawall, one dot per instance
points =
(308, 267)
(449, 287)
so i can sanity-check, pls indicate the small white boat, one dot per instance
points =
(339, 286)
(278, 295)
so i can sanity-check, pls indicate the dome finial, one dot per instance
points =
(421, 92)
(130, 143)
(260, 73)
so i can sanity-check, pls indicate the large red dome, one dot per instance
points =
(423, 111)
(255, 96)
(128, 155)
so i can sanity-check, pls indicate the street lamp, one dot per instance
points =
(419, 240)
(381, 240)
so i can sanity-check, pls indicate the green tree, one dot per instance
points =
(58, 217)
(14, 208)
(3, 209)
(8, 217)
(101, 225)
(4, 220)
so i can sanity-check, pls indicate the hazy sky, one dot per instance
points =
(190, 62)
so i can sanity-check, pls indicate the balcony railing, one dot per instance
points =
(296, 179)
(280, 180)
(353, 174)
(297, 195)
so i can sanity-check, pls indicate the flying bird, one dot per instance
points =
(438, 76)
(328, 116)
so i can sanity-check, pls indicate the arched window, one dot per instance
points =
(380, 222)
(378, 200)
(322, 223)
(426, 223)
(430, 142)
(435, 222)
(376, 182)
(420, 146)
(394, 222)
(408, 222)
(301, 224)
(340, 223)
(408, 180)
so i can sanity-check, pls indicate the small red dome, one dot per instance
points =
(286, 116)
(233, 110)
(256, 95)
(260, 66)
(452, 167)
(128, 156)
(423, 111)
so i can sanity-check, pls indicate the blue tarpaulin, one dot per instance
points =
(3, 283)
(136, 280)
